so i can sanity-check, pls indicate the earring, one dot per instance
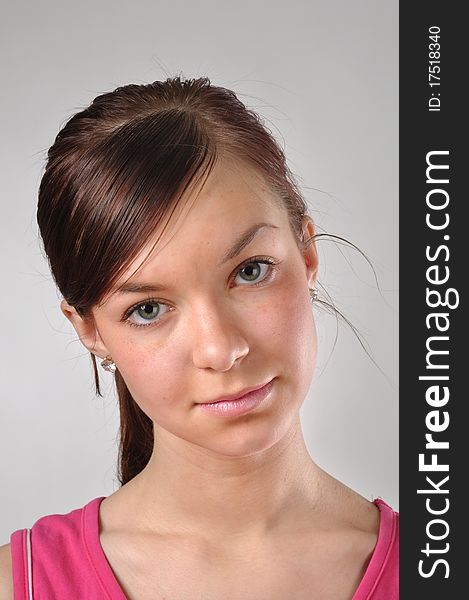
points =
(109, 365)
(313, 292)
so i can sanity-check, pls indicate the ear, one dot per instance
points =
(86, 330)
(310, 253)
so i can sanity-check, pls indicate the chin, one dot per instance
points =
(251, 437)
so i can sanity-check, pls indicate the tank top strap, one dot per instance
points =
(21, 558)
(54, 558)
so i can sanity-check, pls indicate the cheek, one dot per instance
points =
(150, 373)
(289, 332)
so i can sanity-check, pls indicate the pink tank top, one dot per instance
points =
(61, 557)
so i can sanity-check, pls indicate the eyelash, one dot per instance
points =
(255, 260)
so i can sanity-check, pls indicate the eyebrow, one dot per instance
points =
(240, 243)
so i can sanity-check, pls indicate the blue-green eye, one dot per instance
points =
(252, 269)
(145, 314)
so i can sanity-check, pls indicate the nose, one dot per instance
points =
(217, 338)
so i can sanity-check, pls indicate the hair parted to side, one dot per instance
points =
(117, 170)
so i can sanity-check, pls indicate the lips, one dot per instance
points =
(240, 406)
(237, 395)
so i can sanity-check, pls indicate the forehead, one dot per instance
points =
(210, 216)
(232, 186)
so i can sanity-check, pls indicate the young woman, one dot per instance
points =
(188, 266)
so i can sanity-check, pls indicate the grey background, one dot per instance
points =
(324, 76)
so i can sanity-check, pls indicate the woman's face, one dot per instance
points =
(221, 324)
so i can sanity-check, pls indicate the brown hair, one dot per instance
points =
(116, 170)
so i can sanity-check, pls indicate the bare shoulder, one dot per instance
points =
(6, 573)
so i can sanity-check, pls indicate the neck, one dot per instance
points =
(187, 489)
